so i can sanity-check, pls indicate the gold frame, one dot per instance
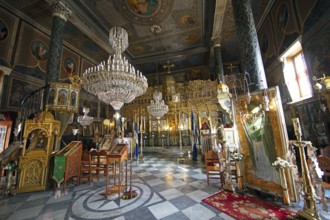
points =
(280, 140)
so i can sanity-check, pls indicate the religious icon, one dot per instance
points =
(3, 30)
(73, 98)
(259, 132)
(189, 20)
(264, 43)
(62, 97)
(69, 66)
(145, 8)
(282, 16)
(39, 50)
(51, 97)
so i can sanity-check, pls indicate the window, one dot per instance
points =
(295, 73)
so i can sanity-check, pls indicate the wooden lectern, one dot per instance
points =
(117, 155)
(67, 163)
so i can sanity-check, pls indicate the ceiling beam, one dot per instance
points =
(82, 21)
(220, 8)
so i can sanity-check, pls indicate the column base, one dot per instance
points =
(131, 194)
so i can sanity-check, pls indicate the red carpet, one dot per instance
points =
(247, 207)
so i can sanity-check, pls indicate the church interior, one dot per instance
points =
(165, 109)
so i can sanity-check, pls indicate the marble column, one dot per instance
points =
(250, 51)
(60, 15)
(218, 65)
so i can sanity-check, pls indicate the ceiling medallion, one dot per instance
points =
(155, 29)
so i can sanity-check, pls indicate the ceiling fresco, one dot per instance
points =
(160, 31)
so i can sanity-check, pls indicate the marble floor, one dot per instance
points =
(166, 190)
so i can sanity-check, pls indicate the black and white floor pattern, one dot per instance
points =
(166, 190)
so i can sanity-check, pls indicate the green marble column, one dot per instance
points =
(218, 65)
(250, 51)
(60, 16)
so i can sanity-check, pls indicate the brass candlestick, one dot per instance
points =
(140, 158)
(310, 210)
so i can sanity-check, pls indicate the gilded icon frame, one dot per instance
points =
(276, 141)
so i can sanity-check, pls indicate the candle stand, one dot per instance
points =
(310, 210)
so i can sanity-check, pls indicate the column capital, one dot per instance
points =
(216, 42)
(59, 9)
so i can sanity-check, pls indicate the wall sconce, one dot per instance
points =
(325, 80)
(318, 87)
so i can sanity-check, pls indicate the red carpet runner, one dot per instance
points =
(246, 207)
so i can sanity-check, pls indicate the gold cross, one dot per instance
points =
(231, 67)
(168, 66)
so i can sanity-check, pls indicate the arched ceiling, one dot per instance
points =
(184, 38)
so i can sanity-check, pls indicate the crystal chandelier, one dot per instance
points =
(115, 81)
(157, 108)
(85, 120)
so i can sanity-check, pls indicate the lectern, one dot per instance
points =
(67, 163)
(117, 155)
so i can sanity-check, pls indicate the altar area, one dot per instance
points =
(165, 188)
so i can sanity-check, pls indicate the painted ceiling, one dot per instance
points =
(160, 31)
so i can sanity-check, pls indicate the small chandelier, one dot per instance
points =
(157, 108)
(85, 120)
(115, 81)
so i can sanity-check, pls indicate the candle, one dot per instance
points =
(144, 123)
(134, 116)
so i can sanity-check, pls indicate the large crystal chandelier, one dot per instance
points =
(157, 108)
(115, 81)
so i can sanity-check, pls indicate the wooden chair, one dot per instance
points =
(324, 164)
(89, 166)
(102, 160)
(212, 167)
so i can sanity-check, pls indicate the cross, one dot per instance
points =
(231, 67)
(168, 66)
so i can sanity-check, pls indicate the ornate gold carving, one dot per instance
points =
(33, 163)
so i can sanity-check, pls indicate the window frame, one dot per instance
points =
(290, 66)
